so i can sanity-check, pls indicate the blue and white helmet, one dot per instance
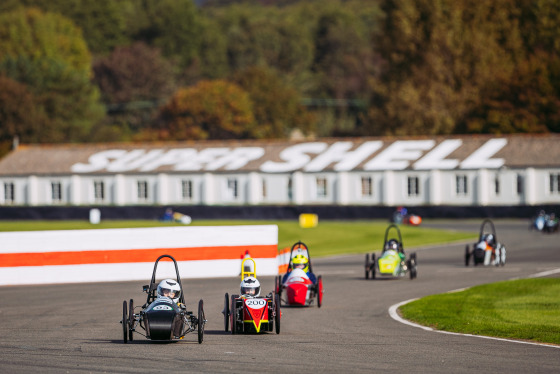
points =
(169, 288)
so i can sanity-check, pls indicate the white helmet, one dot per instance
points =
(169, 288)
(250, 286)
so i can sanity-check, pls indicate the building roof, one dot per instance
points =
(277, 156)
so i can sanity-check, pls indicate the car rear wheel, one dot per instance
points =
(367, 266)
(124, 322)
(226, 313)
(233, 315)
(130, 319)
(467, 256)
(278, 285)
(372, 266)
(319, 291)
(201, 320)
(277, 312)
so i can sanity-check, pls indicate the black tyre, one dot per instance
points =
(233, 315)
(367, 266)
(467, 256)
(414, 269)
(278, 285)
(226, 313)
(372, 266)
(130, 319)
(319, 291)
(277, 312)
(409, 266)
(201, 319)
(124, 322)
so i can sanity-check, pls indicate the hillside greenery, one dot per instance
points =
(110, 70)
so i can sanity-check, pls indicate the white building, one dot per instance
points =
(456, 170)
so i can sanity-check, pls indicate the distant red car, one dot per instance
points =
(401, 215)
(299, 284)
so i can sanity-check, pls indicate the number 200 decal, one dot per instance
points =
(255, 303)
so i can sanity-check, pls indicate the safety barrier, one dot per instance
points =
(283, 260)
(75, 256)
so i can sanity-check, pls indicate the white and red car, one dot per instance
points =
(297, 287)
(251, 314)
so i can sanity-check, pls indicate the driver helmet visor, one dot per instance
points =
(251, 291)
(169, 293)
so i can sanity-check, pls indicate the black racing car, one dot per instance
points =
(161, 318)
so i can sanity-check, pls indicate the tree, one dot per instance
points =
(437, 57)
(20, 116)
(134, 73)
(102, 21)
(171, 25)
(278, 38)
(277, 107)
(212, 61)
(134, 80)
(208, 110)
(527, 102)
(343, 58)
(46, 52)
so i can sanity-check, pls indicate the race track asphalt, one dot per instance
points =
(75, 328)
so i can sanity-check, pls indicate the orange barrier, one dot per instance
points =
(69, 256)
(129, 256)
(283, 260)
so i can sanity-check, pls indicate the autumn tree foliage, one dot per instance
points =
(209, 110)
(452, 66)
(172, 26)
(134, 81)
(277, 106)
(46, 53)
(20, 116)
(102, 22)
(380, 67)
(134, 73)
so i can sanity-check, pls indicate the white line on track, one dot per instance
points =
(394, 315)
(544, 273)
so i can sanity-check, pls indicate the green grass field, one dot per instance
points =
(527, 309)
(328, 238)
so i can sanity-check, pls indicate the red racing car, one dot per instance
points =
(249, 312)
(300, 284)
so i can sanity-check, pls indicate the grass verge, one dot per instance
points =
(328, 238)
(527, 309)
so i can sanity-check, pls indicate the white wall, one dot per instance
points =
(63, 256)
(437, 187)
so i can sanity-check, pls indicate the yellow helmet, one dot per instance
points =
(301, 262)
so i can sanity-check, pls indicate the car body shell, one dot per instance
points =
(390, 263)
(485, 251)
(246, 314)
(161, 318)
(298, 289)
